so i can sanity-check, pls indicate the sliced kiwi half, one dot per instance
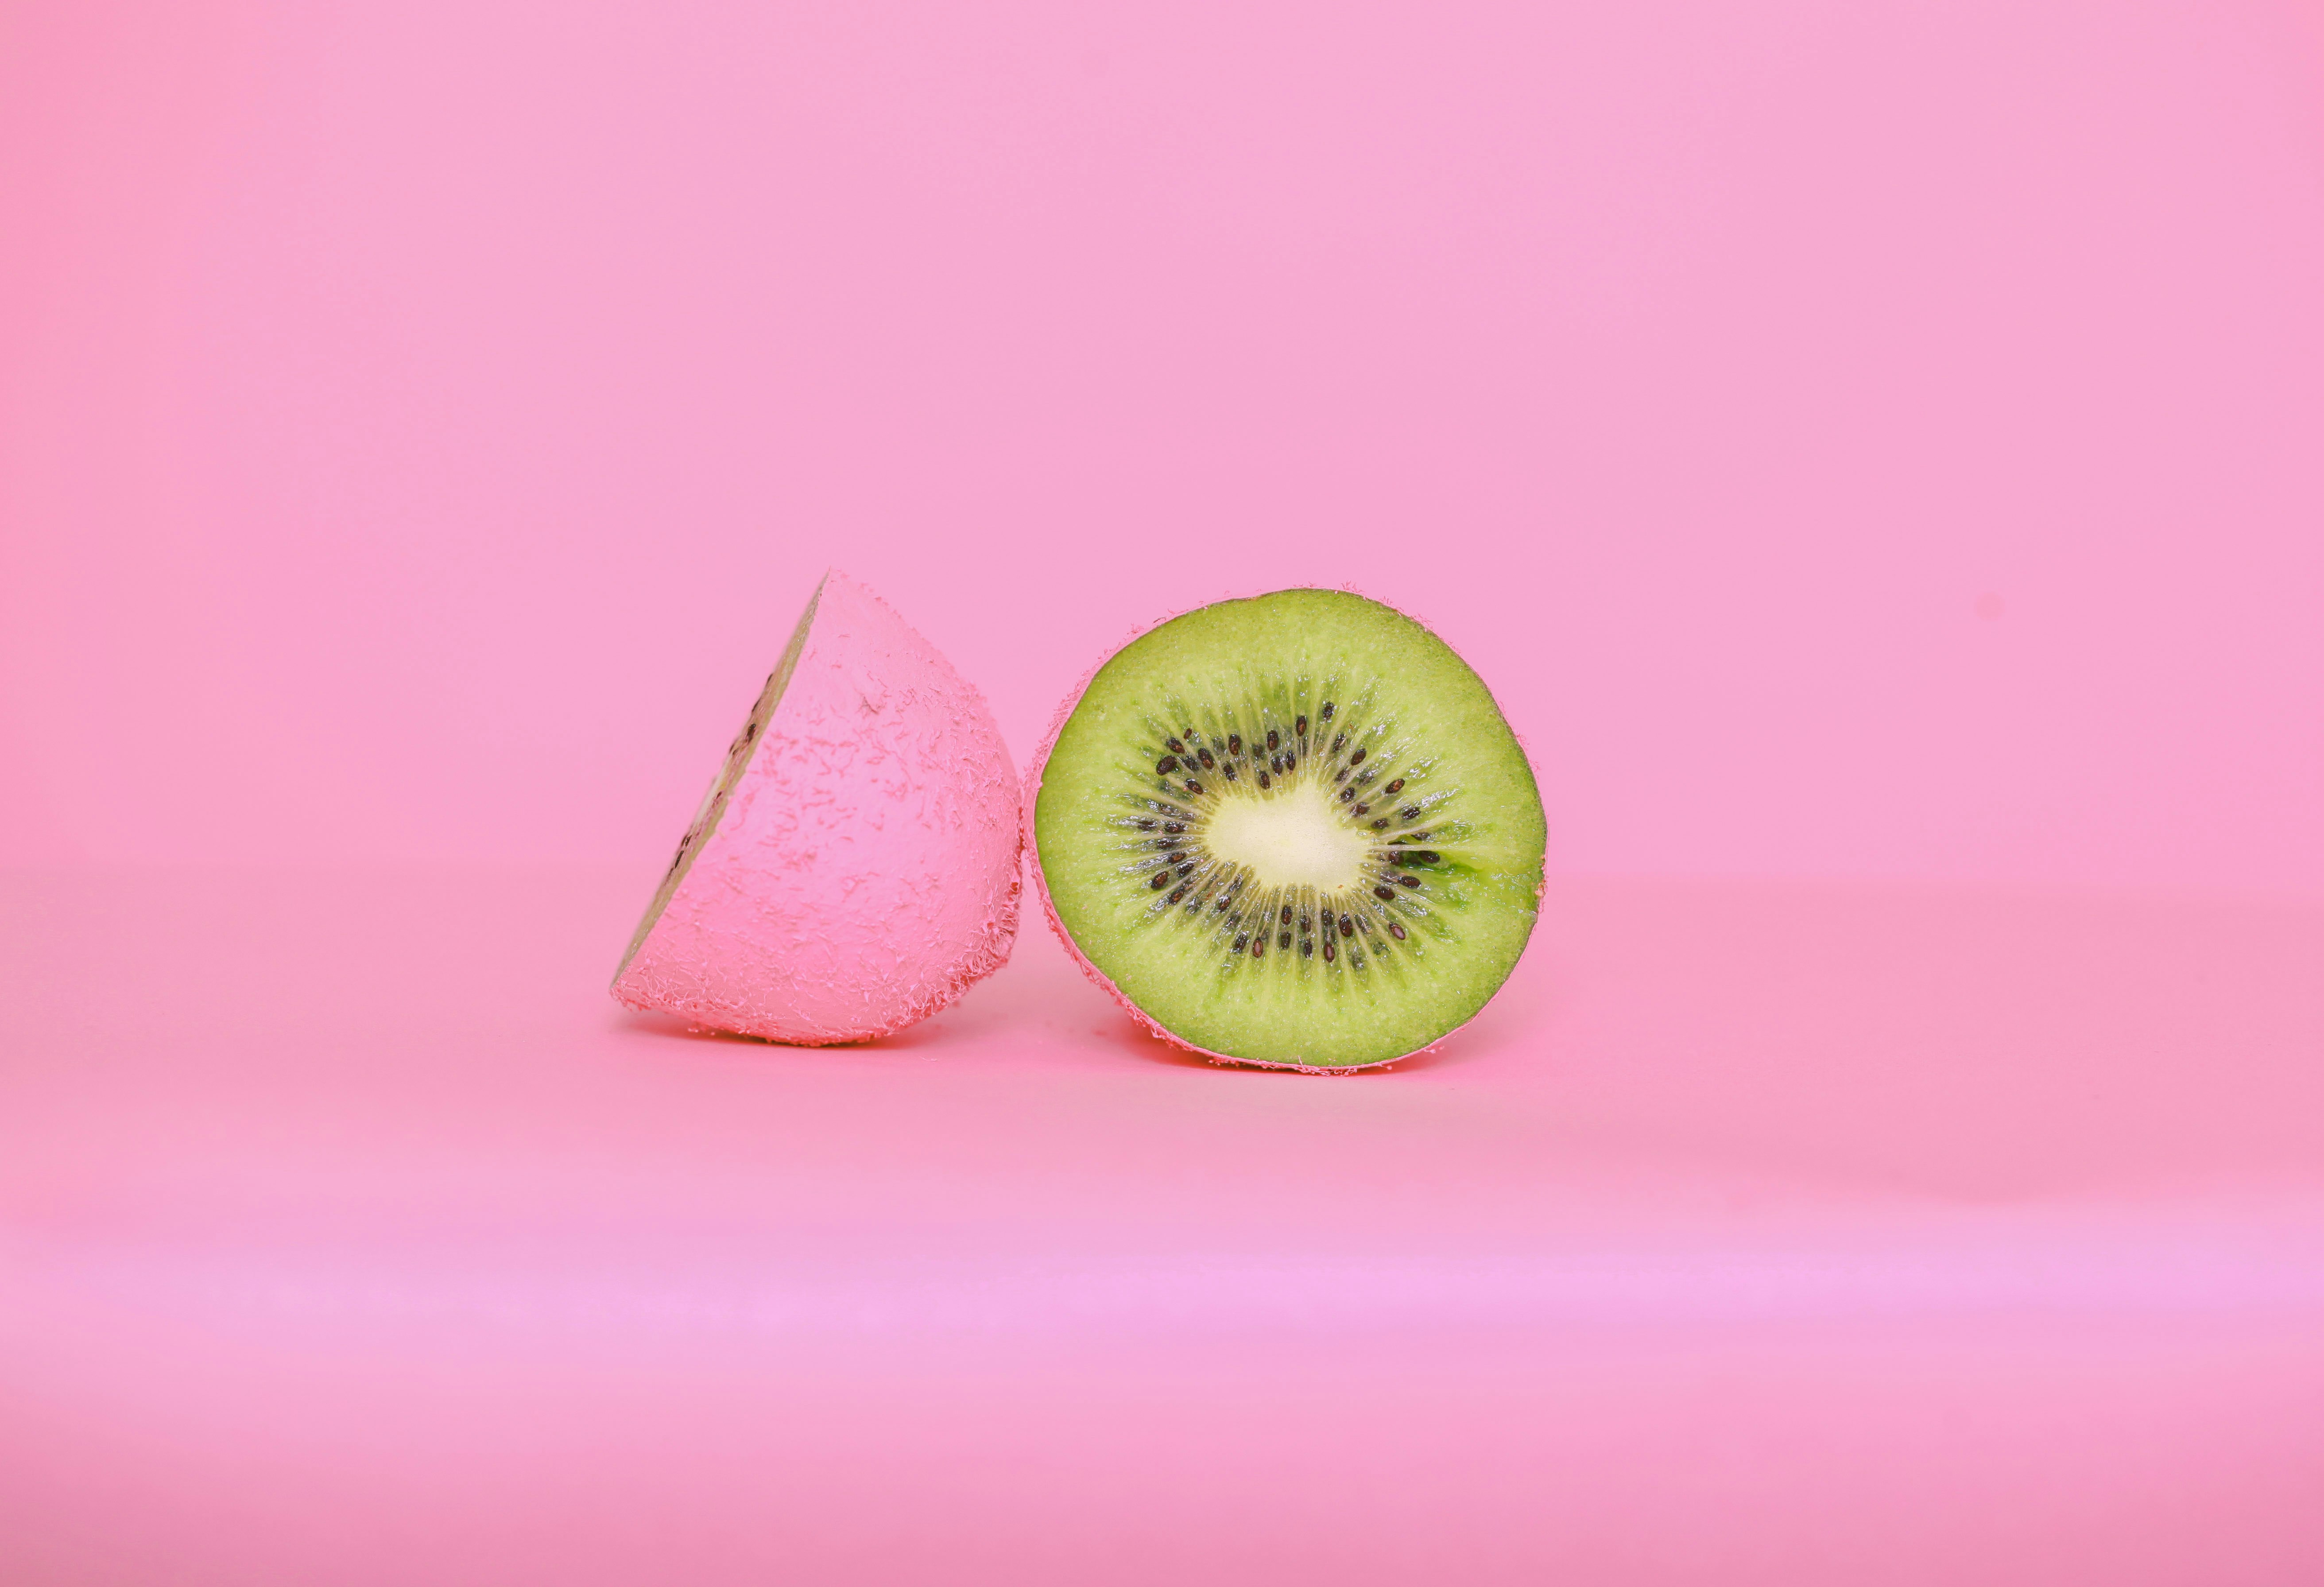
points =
(1292, 830)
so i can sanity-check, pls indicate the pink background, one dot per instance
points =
(1856, 441)
(1875, 452)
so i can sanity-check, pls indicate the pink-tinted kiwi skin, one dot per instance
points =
(864, 875)
(1048, 905)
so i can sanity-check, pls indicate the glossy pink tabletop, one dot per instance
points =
(349, 1233)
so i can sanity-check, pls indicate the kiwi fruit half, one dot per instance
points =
(855, 865)
(1292, 830)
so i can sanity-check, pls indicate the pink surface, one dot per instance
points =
(1757, 1233)
(861, 872)
(1874, 444)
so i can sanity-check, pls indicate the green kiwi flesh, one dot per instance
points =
(1292, 830)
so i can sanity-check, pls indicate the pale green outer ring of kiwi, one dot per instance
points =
(1374, 662)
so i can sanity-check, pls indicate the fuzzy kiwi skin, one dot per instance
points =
(854, 869)
(1516, 861)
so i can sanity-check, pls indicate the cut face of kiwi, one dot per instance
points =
(1292, 830)
(730, 773)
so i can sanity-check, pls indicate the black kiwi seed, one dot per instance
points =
(1259, 948)
(1176, 748)
(1234, 744)
(1300, 728)
(1415, 837)
(1193, 787)
(1174, 826)
(1339, 740)
(1286, 914)
(1385, 893)
(1307, 947)
(1410, 812)
(1167, 763)
(1274, 740)
(1330, 953)
(1262, 780)
(1362, 811)
(1408, 881)
(1230, 771)
(1358, 758)
(1143, 825)
(1425, 857)
(1395, 931)
(1381, 824)
(1283, 939)
(1394, 787)
(1161, 880)
(1347, 926)
(1326, 712)
(1190, 732)
(1346, 794)
(1177, 892)
(1207, 758)
(1244, 942)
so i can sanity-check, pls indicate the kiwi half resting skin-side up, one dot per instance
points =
(1292, 830)
(853, 867)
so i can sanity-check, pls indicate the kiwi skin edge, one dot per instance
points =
(1030, 802)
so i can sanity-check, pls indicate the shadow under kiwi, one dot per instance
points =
(649, 1022)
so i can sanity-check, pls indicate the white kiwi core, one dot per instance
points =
(1296, 838)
